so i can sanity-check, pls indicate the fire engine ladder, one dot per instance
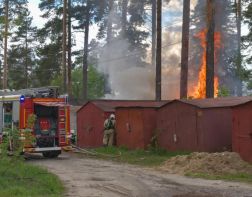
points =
(62, 126)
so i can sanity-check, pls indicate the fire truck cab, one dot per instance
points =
(51, 129)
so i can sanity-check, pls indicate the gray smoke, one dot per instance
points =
(127, 78)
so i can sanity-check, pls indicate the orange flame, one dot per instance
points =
(200, 90)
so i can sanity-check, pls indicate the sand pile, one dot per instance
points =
(207, 163)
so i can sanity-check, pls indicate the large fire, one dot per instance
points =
(200, 90)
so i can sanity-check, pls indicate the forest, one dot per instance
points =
(124, 59)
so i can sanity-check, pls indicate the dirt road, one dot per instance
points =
(85, 177)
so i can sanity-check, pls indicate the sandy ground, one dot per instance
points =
(86, 177)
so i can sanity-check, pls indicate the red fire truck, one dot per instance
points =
(51, 129)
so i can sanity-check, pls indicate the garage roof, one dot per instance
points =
(217, 102)
(111, 105)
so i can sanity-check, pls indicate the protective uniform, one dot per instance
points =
(109, 131)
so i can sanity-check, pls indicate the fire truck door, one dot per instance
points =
(15, 112)
(62, 125)
(7, 114)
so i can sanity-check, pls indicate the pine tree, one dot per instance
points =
(239, 57)
(11, 10)
(136, 35)
(86, 13)
(22, 54)
(50, 37)
(247, 42)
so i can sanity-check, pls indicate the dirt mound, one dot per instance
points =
(207, 163)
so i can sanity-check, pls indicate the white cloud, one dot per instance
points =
(174, 5)
(36, 13)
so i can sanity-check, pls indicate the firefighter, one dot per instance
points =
(109, 131)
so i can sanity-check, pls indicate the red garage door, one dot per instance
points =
(242, 131)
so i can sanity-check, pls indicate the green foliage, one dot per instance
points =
(4, 147)
(247, 39)
(31, 120)
(49, 51)
(49, 63)
(223, 92)
(12, 143)
(15, 140)
(27, 134)
(250, 85)
(95, 83)
(20, 179)
(20, 39)
(134, 33)
(247, 15)
(77, 83)
(57, 81)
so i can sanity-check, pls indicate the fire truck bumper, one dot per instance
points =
(41, 150)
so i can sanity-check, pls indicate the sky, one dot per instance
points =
(39, 21)
(170, 14)
(35, 12)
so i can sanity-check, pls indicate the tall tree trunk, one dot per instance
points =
(239, 57)
(109, 27)
(65, 81)
(1, 81)
(210, 49)
(154, 33)
(69, 51)
(26, 56)
(6, 32)
(124, 15)
(185, 49)
(159, 52)
(85, 57)
(107, 88)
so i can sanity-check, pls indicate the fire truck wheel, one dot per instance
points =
(51, 154)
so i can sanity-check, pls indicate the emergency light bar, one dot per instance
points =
(22, 99)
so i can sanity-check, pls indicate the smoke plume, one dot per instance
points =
(128, 77)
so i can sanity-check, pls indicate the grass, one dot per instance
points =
(155, 157)
(150, 158)
(19, 179)
(241, 177)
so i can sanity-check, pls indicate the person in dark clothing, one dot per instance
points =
(109, 131)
